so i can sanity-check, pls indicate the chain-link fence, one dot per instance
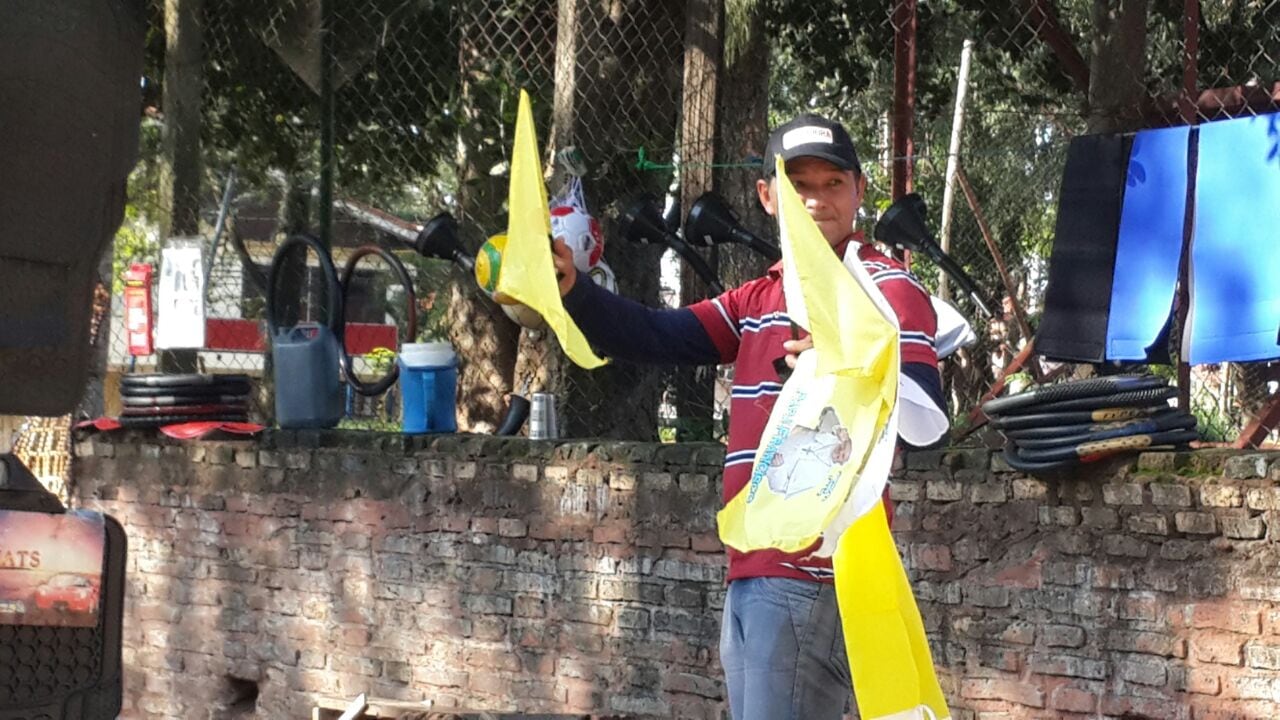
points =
(405, 109)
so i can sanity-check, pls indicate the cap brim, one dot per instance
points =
(842, 163)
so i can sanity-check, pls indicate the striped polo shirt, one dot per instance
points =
(748, 325)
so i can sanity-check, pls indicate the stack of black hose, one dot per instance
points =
(1054, 427)
(154, 400)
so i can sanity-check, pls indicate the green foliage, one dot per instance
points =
(138, 239)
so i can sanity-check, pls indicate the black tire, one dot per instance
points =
(1160, 423)
(171, 400)
(231, 388)
(1111, 446)
(1130, 398)
(1091, 387)
(158, 380)
(1075, 417)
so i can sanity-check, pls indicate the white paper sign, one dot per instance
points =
(180, 298)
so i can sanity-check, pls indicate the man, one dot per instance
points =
(781, 643)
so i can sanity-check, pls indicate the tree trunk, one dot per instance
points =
(695, 391)
(541, 365)
(743, 131)
(1118, 65)
(624, 95)
(180, 170)
(483, 337)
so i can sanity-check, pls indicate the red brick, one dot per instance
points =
(1203, 681)
(582, 694)
(492, 659)
(355, 636)
(610, 533)
(1138, 607)
(933, 557)
(1012, 691)
(1217, 647)
(1145, 708)
(484, 525)
(1235, 617)
(707, 542)
(1228, 710)
(1071, 699)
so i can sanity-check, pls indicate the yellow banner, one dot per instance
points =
(528, 274)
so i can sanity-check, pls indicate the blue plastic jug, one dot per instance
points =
(428, 388)
(308, 383)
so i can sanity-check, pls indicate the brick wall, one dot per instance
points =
(586, 577)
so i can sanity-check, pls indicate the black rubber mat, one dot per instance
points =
(1077, 298)
(133, 411)
(159, 420)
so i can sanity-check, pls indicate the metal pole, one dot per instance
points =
(904, 94)
(953, 158)
(1190, 79)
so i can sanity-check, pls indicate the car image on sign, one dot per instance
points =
(68, 592)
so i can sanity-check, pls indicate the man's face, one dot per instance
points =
(831, 195)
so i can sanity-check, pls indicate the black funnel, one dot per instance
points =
(712, 222)
(641, 222)
(439, 239)
(903, 226)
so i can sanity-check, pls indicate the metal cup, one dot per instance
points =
(543, 424)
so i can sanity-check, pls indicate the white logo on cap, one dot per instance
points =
(806, 135)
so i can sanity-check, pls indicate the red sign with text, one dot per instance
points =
(137, 308)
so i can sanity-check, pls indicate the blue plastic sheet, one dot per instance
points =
(1235, 251)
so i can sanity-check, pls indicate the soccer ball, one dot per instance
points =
(581, 233)
(489, 267)
(523, 315)
(603, 276)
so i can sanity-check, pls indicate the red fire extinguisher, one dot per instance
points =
(137, 308)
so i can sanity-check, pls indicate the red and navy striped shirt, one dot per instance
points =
(746, 327)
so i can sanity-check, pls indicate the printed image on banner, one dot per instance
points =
(50, 568)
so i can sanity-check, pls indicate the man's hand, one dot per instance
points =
(795, 347)
(566, 273)
(844, 449)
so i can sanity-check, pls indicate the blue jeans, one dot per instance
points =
(782, 649)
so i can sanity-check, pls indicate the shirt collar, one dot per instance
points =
(840, 249)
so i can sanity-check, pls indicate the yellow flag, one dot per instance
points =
(835, 407)
(528, 274)
(889, 658)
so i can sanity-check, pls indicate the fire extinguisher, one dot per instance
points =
(137, 308)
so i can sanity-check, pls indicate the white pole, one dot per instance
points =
(953, 158)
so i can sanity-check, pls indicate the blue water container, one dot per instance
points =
(428, 388)
(307, 379)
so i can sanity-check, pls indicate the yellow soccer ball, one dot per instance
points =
(489, 268)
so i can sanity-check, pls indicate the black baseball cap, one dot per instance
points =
(812, 135)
